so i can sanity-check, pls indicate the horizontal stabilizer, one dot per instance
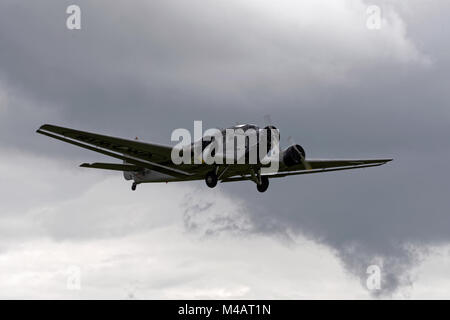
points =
(111, 166)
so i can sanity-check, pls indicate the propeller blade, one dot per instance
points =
(267, 120)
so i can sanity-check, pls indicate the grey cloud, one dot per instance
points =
(207, 218)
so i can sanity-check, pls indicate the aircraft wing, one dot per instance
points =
(138, 154)
(317, 166)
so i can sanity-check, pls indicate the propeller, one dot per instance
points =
(267, 120)
(306, 164)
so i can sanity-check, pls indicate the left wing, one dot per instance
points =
(139, 154)
(317, 166)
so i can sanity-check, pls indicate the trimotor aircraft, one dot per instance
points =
(213, 158)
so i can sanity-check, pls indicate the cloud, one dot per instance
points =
(202, 216)
(135, 245)
(155, 255)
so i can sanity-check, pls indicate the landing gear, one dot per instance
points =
(211, 179)
(262, 182)
(262, 187)
(133, 186)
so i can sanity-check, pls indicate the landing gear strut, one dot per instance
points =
(133, 186)
(262, 187)
(211, 179)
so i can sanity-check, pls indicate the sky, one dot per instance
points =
(337, 87)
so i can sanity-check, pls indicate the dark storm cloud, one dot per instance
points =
(341, 91)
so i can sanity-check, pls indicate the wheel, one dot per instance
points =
(133, 186)
(211, 179)
(264, 184)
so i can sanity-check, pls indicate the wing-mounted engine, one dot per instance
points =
(293, 155)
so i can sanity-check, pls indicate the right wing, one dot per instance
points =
(139, 154)
(316, 166)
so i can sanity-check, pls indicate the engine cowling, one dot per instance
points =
(293, 155)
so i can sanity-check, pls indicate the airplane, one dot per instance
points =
(149, 162)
